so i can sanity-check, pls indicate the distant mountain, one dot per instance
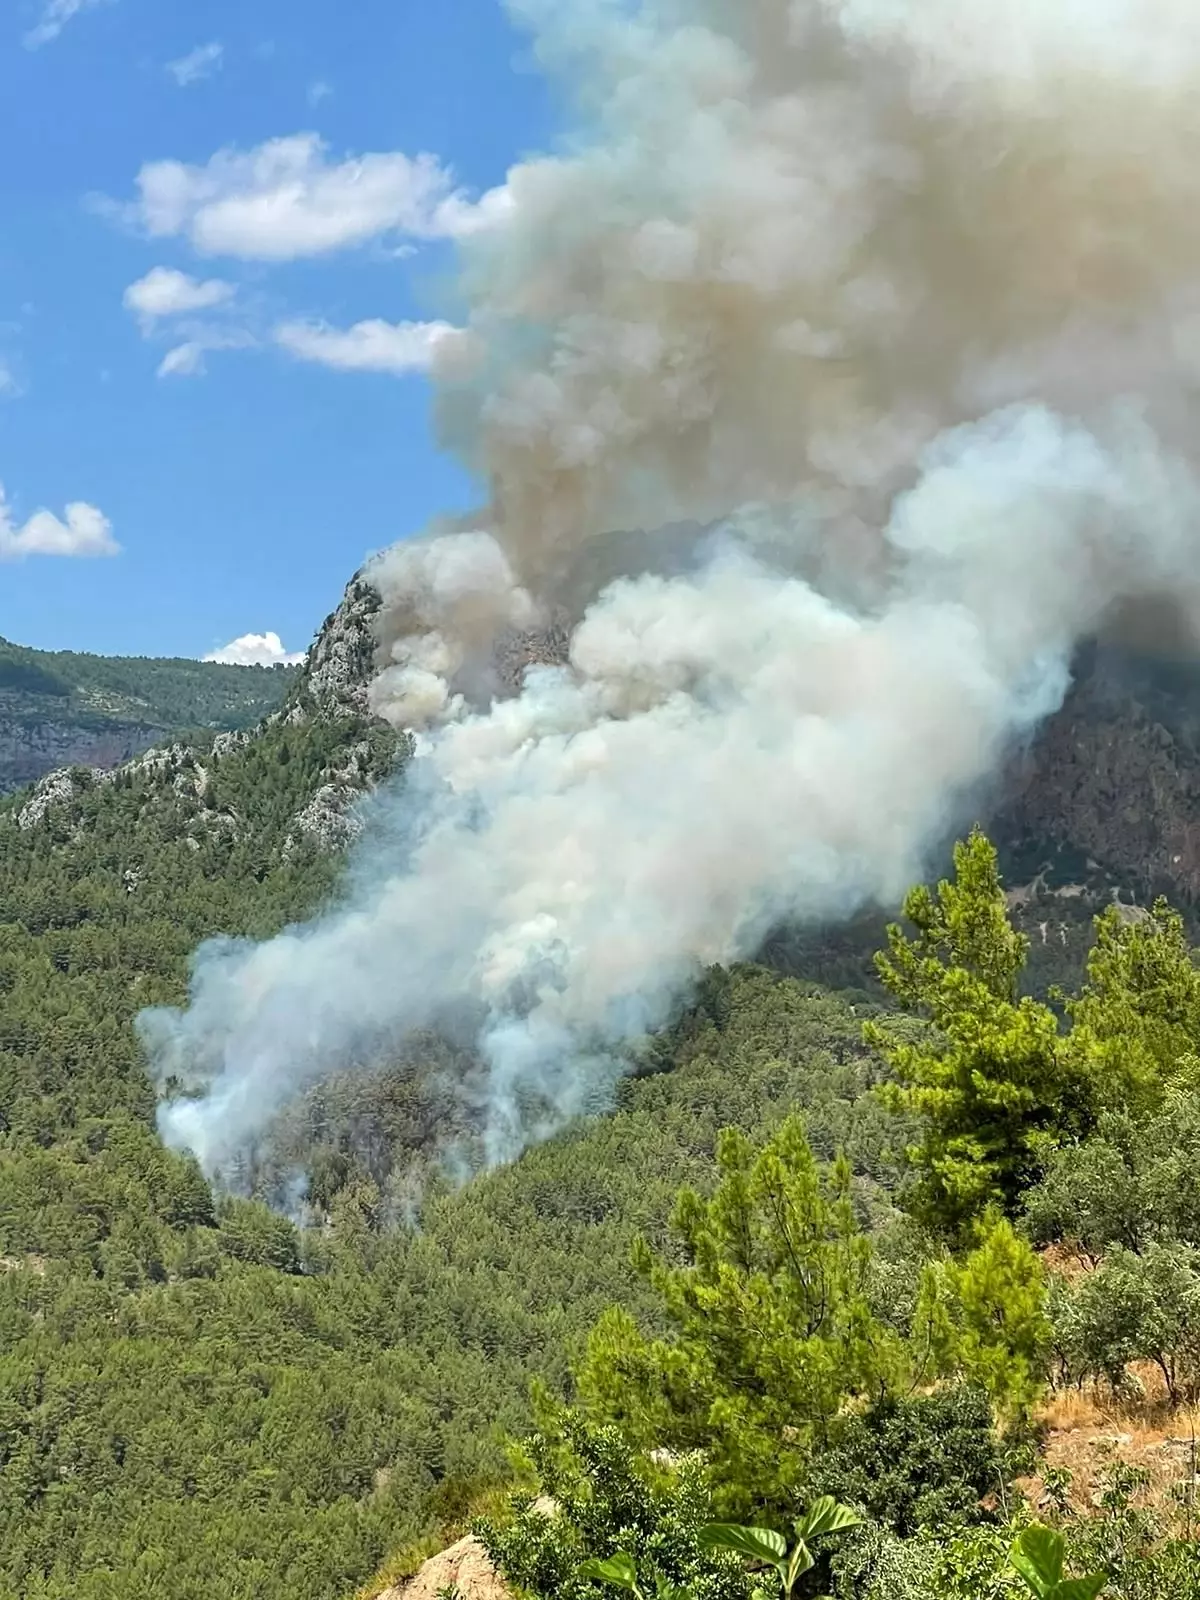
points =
(63, 708)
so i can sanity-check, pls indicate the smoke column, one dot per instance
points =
(888, 312)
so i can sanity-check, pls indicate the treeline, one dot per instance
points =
(161, 692)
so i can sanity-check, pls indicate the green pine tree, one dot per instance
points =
(986, 1076)
(772, 1329)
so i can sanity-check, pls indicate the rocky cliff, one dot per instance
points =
(35, 740)
(1105, 800)
(1111, 785)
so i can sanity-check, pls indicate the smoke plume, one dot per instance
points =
(835, 380)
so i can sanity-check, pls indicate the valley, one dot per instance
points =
(216, 1394)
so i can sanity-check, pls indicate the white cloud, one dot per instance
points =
(256, 650)
(286, 199)
(199, 63)
(186, 360)
(166, 295)
(85, 532)
(373, 346)
(164, 292)
(318, 91)
(55, 16)
(182, 361)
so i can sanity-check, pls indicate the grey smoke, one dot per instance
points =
(895, 307)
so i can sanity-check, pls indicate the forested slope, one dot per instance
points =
(205, 1396)
(201, 1400)
(62, 708)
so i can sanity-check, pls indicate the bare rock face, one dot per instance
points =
(56, 789)
(331, 818)
(341, 662)
(31, 746)
(1113, 780)
(464, 1569)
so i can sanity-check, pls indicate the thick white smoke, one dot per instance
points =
(893, 307)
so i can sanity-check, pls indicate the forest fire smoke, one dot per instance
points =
(888, 312)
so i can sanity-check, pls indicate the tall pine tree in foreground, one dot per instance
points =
(986, 1075)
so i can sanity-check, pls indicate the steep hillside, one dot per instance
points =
(206, 1398)
(202, 1399)
(1112, 782)
(63, 708)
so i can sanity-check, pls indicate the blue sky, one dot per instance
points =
(219, 267)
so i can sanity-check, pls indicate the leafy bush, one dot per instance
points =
(609, 1502)
(1134, 1181)
(924, 1462)
(792, 1565)
(1135, 1308)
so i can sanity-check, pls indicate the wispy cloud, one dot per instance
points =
(286, 199)
(199, 63)
(188, 358)
(167, 301)
(82, 531)
(256, 650)
(372, 346)
(183, 360)
(55, 16)
(318, 91)
(165, 292)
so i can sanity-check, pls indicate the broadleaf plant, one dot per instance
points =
(764, 1545)
(1038, 1555)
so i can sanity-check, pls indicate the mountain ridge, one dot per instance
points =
(1102, 802)
(274, 1400)
(69, 708)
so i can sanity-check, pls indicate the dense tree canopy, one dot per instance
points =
(163, 693)
(204, 1396)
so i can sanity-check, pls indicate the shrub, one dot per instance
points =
(914, 1463)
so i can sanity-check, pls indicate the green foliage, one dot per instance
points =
(21, 673)
(1136, 1023)
(250, 1231)
(983, 1318)
(1123, 1552)
(986, 1077)
(200, 1399)
(770, 1549)
(615, 1514)
(772, 1328)
(1038, 1555)
(184, 1415)
(159, 693)
(620, 1572)
(1135, 1308)
(1133, 1182)
(925, 1461)
(1136, 1545)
